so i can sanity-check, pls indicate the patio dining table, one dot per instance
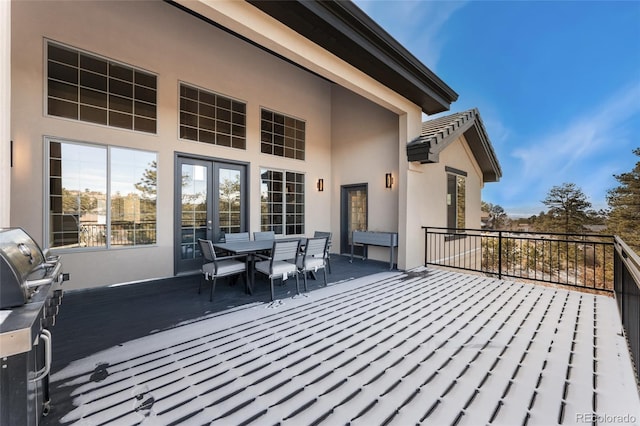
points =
(251, 249)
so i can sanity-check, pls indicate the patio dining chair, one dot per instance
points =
(281, 263)
(313, 258)
(327, 255)
(236, 236)
(265, 235)
(214, 266)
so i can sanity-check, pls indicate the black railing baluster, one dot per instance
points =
(500, 255)
(565, 259)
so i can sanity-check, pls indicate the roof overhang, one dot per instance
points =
(343, 29)
(438, 133)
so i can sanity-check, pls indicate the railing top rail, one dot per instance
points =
(629, 257)
(505, 231)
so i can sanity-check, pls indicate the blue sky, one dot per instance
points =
(557, 84)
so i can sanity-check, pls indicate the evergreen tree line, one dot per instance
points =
(569, 211)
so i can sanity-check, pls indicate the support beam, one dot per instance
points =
(5, 112)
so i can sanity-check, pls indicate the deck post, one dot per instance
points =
(499, 255)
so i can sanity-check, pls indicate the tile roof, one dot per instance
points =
(438, 133)
(433, 347)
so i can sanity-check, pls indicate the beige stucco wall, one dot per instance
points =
(428, 189)
(177, 47)
(459, 156)
(364, 148)
(5, 112)
(356, 127)
(246, 20)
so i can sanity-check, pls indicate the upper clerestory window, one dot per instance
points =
(86, 87)
(212, 118)
(282, 135)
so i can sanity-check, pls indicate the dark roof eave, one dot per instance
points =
(483, 151)
(426, 148)
(343, 29)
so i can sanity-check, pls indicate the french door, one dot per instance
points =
(211, 200)
(353, 215)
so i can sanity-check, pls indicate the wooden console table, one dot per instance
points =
(369, 238)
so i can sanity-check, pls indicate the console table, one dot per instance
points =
(369, 238)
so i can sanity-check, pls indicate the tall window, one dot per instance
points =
(229, 200)
(89, 88)
(101, 196)
(211, 118)
(456, 193)
(282, 135)
(282, 202)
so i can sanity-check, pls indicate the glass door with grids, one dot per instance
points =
(354, 215)
(210, 201)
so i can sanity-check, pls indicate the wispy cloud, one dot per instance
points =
(405, 21)
(581, 153)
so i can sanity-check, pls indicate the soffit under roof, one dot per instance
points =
(438, 133)
(343, 29)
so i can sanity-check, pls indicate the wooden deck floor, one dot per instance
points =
(430, 347)
(97, 319)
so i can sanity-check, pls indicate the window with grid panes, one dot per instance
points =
(212, 118)
(282, 202)
(282, 135)
(456, 204)
(89, 88)
(100, 196)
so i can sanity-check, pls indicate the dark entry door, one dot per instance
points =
(354, 212)
(210, 201)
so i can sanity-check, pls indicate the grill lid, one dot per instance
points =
(23, 267)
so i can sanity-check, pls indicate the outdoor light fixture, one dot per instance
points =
(388, 180)
(320, 185)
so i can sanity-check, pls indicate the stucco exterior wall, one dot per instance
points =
(356, 128)
(428, 189)
(5, 112)
(177, 47)
(364, 148)
(458, 155)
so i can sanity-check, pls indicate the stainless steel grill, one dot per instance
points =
(30, 293)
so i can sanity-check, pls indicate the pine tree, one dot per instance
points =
(497, 217)
(149, 181)
(624, 201)
(568, 207)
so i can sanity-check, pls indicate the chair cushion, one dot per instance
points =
(280, 268)
(225, 267)
(311, 263)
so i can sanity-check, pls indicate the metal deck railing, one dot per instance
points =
(575, 260)
(627, 290)
(582, 261)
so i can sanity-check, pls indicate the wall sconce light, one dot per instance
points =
(388, 181)
(320, 185)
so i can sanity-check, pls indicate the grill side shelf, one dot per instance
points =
(21, 328)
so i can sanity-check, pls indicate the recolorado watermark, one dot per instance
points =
(603, 418)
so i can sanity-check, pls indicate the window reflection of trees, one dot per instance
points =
(193, 213)
(78, 217)
(133, 215)
(229, 201)
(194, 201)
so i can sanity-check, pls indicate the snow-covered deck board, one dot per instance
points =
(430, 347)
